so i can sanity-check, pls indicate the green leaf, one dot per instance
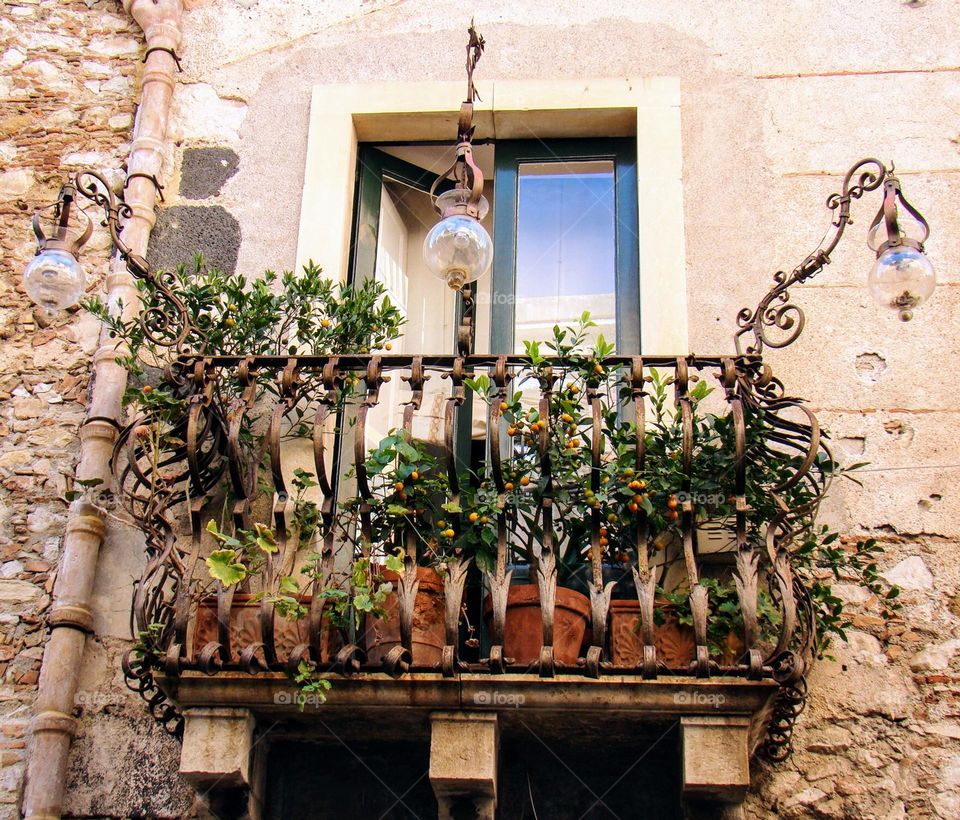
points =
(225, 568)
(362, 602)
(408, 451)
(304, 479)
(452, 507)
(288, 585)
(265, 539)
(485, 562)
(225, 540)
(394, 562)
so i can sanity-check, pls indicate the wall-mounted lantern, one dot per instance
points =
(54, 279)
(903, 276)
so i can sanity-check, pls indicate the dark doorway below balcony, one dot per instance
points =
(352, 779)
(585, 777)
(543, 773)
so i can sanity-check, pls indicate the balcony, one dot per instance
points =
(580, 567)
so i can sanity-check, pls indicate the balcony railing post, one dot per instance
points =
(500, 581)
(698, 594)
(599, 595)
(545, 551)
(458, 564)
(644, 578)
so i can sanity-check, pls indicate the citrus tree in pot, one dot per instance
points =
(398, 524)
(655, 494)
(544, 480)
(265, 554)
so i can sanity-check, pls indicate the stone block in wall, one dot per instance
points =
(182, 231)
(123, 765)
(204, 171)
(868, 112)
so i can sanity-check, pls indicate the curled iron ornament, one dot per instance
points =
(167, 324)
(775, 313)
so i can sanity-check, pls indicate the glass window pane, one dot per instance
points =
(428, 306)
(566, 247)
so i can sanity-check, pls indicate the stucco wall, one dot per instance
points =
(778, 98)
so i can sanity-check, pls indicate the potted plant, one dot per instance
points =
(287, 314)
(559, 430)
(398, 525)
(673, 635)
(347, 596)
(655, 493)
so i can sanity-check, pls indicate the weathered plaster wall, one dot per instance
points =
(778, 99)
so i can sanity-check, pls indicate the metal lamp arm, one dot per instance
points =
(775, 311)
(168, 323)
(94, 187)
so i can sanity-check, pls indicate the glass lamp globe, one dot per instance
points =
(458, 248)
(54, 280)
(901, 279)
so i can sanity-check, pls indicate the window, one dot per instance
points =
(564, 225)
(645, 111)
(565, 239)
(393, 214)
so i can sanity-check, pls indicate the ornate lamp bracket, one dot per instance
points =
(166, 324)
(775, 313)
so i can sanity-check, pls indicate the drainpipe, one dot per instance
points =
(70, 618)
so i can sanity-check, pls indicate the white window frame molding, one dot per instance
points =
(343, 115)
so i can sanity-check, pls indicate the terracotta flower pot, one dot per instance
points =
(245, 628)
(383, 634)
(675, 642)
(523, 630)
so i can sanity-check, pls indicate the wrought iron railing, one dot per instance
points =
(220, 444)
(241, 425)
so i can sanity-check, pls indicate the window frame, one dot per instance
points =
(373, 166)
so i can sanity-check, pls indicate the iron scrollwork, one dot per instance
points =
(775, 313)
(166, 324)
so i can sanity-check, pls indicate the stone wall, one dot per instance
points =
(777, 100)
(67, 94)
